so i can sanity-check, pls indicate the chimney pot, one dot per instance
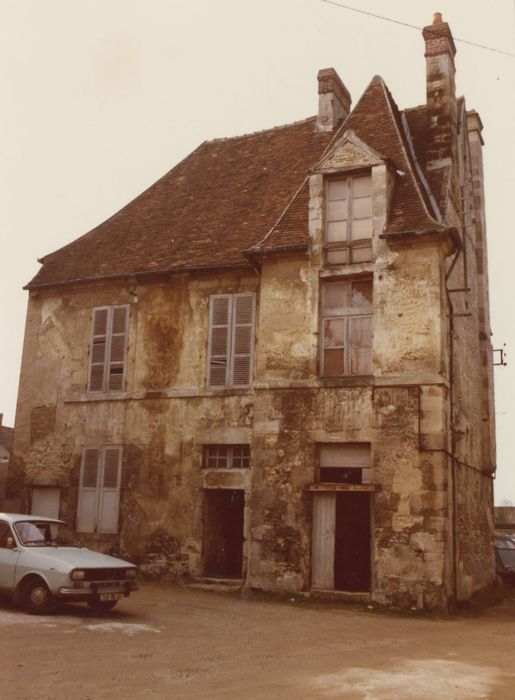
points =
(437, 18)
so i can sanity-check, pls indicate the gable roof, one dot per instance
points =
(247, 194)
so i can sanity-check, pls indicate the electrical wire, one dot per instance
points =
(414, 26)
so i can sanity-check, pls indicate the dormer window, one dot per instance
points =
(348, 228)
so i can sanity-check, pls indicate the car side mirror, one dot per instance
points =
(10, 543)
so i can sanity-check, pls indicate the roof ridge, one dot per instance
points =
(261, 131)
(392, 105)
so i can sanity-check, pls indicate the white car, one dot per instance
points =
(42, 561)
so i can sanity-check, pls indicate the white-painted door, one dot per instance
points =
(45, 501)
(324, 521)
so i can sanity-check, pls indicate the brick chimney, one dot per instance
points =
(441, 94)
(334, 100)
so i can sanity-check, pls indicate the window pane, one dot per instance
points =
(361, 361)
(340, 475)
(336, 256)
(361, 331)
(361, 228)
(333, 363)
(337, 210)
(361, 294)
(337, 189)
(361, 253)
(362, 208)
(336, 231)
(222, 458)
(334, 333)
(334, 297)
(361, 185)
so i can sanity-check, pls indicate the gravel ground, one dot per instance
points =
(168, 642)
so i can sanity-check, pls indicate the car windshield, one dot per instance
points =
(44, 533)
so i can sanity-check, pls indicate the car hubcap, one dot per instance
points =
(38, 596)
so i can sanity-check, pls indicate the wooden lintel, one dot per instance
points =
(342, 487)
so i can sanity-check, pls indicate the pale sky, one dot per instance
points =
(102, 97)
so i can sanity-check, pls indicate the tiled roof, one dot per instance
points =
(6, 437)
(247, 192)
(218, 201)
(377, 122)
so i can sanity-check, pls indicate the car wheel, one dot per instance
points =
(101, 606)
(36, 597)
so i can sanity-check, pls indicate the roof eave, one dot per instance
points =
(447, 234)
(134, 276)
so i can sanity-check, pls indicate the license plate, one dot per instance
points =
(110, 596)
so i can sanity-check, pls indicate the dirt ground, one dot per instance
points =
(168, 642)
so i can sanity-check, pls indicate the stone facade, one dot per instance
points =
(425, 411)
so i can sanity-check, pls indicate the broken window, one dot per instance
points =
(345, 463)
(226, 457)
(346, 327)
(99, 490)
(108, 349)
(231, 340)
(348, 213)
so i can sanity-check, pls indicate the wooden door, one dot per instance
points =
(324, 519)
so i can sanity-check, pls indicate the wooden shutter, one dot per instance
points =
(219, 340)
(345, 455)
(242, 339)
(98, 350)
(108, 351)
(109, 497)
(117, 348)
(88, 491)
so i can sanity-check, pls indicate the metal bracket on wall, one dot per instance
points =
(499, 356)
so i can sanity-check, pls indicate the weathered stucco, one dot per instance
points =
(426, 410)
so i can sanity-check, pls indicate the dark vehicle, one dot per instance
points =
(505, 558)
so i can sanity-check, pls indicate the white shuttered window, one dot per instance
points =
(99, 491)
(108, 349)
(231, 340)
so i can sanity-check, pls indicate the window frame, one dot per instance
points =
(350, 246)
(346, 316)
(107, 361)
(229, 456)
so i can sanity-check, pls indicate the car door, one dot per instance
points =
(8, 557)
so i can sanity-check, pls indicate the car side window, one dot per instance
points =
(5, 533)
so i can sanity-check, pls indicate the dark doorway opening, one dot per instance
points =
(223, 533)
(352, 569)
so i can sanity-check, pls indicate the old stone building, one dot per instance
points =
(6, 441)
(274, 365)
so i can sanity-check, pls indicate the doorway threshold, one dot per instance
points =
(348, 596)
(220, 585)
